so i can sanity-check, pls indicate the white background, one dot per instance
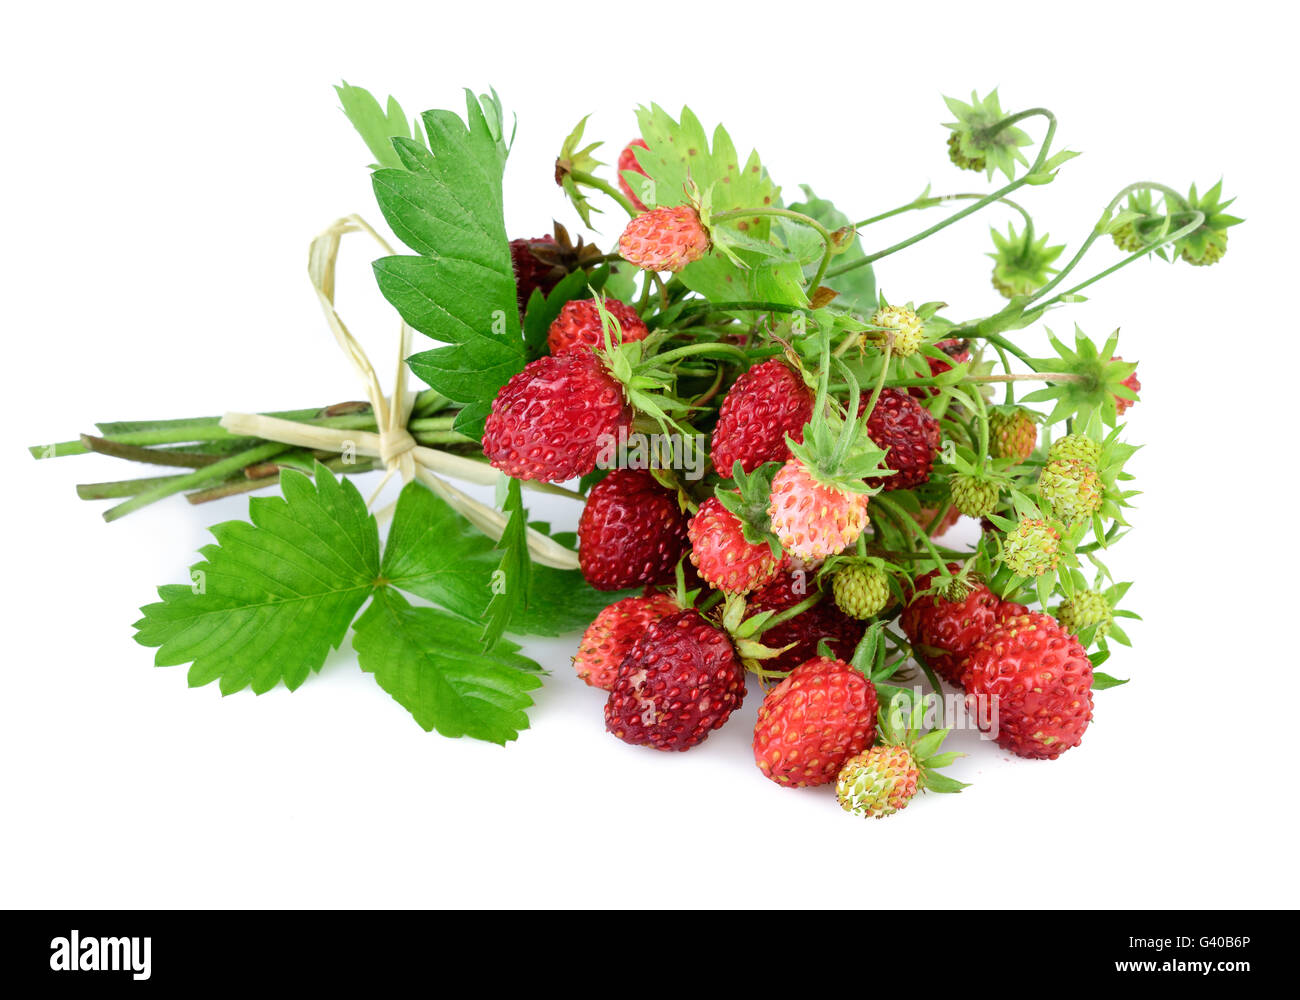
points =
(163, 170)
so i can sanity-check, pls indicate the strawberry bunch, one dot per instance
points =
(785, 480)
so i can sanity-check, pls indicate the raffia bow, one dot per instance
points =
(392, 443)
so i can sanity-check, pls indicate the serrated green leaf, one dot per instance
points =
(271, 598)
(434, 666)
(377, 126)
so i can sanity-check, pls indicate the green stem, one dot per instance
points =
(200, 477)
(591, 180)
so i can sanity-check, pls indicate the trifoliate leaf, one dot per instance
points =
(434, 665)
(271, 598)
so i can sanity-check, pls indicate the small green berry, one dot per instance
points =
(1078, 447)
(906, 325)
(1209, 252)
(1084, 610)
(1031, 548)
(1126, 238)
(960, 159)
(878, 782)
(1012, 434)
(861, 591)
(973, 496)
(1072, 489)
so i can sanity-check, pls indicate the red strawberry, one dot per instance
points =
(664, 239)
(909, 434)
(631, 531)
(805, 630)
(953, 627)
(530, 272)
(766, 403)
(578, 325)
(609, 638)
(813, 721)
(627, 161)
(681, 680)
(1122, 404)
(1042, 680)
(551, 420)
(955, 349)
(723, 556)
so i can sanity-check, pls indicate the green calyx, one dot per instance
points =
(836, 449)
(1072, 489)
(1022, 264)
(1094, 379)
(982, 138)
(1207, 243)
(861, 590)
(749, 502)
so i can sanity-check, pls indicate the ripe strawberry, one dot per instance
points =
(909, 434)
(608, 639)
(1012, 434)
(550, 421)
(906, 326)
(681, 680)
(949, 626)
(578, 325)
(1042, 680)
(632, 531)
(766, 403)
(664, 239)
(1122, 404)
(813, 721)
(803, 632)
(627, 161)
(1032, 548)
(811, 519)
(723, 556)
(530, 272)
(861, 590)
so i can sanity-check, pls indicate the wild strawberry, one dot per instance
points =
(681, 680)
(811, 519)
(1126, 238)
(883, 779)
(1022, 264)
(664, 239)
(627, 161)
(906, 326)
(609, 638)
(910, 436)
(959, 156)
(632, 531)
(1122, 404)
(1032, 548)
(802, 633)
(723, 556)
(1072, 489)
(861, 590)
(1042, 680)
(973, 496)
(1012, 434)
(531, 272)
(578, 325)
(766, 403)
(948, 625)
(550, 421)
(1086, 609)
(1078, 447)
(813, 721)
(1208, 242)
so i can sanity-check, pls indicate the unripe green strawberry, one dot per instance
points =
(861, 590)
(973, 496)
(1208, 253)
(906, 326)
(1127, 239)
(1031, 548)
(1078, 447)
(1072, 489)
(1084, 610)
(1012, 434)
(877, 782)
(959, 158)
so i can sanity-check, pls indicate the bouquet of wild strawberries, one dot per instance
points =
(767, 455)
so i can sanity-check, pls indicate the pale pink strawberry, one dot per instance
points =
(810, 519)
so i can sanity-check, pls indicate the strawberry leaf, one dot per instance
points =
(271, 598)
(434, 665)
